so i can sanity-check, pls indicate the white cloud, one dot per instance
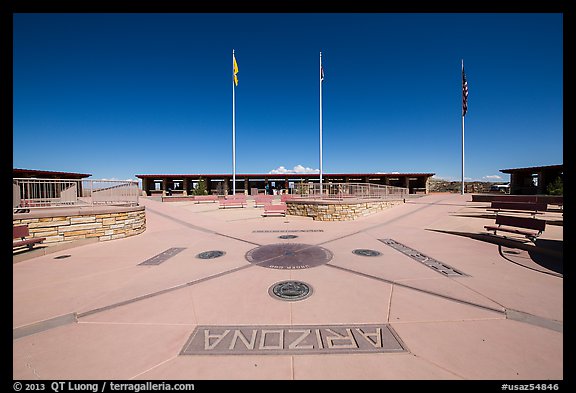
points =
(297, 169)
(492, 177)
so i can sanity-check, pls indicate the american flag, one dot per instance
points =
(464, 93)
(321, 73)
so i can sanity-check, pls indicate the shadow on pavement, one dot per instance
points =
(546, 255)
(549, 221)
(553, 263)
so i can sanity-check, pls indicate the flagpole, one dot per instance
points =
(320, 76)
(462, 129)
(233, 129)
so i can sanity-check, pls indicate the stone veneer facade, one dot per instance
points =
(65, 224)
(337, 210)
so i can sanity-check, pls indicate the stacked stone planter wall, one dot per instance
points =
(65, 224)
(337, 210)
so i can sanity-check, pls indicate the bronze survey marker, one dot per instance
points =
(210, 254)
(290, 290)
(292, 340)
(366, 253)
(288, 256)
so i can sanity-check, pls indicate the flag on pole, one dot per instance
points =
(464, 93)
(235, 70)
(321, 73)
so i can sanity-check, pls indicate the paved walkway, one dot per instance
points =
(146, 307)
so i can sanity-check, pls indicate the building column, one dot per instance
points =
(164, 186)
(185, 184)
(246, 185)
(541, 180)
(513, 185)
(145, 186)
(226, 185)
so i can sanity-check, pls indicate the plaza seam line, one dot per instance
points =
(416, 289)
(153, 367)
(161, 292)
(41, 326)
(187, 224)
(521, 316)
(440, 366)
(530, 319)
(129, 301)
(381, 224)
(38, 327)
(149, 295)
(81, 315)
(393, 220)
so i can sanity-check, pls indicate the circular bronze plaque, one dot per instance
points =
(287, 237)
(367, 253)
(290, 290)
(288, 256)
(210, 254)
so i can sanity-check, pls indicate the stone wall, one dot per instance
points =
(439, 185)
(64, 224)
(337, 210)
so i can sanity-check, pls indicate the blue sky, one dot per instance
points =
(116, 95)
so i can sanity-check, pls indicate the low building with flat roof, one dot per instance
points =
(533, 180)
(42, 174)
(221, 184)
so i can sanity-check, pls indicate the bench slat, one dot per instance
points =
(25, 242)
(262, 200)
(270, 209)
(22, 232)
(520, 206)
(205, 198)
(231, 203)
(511, 230)
(517, 225)
(521, 222)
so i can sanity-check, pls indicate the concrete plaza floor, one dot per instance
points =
(94, 311)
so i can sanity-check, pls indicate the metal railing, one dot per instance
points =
(32, 193)
(342, 191)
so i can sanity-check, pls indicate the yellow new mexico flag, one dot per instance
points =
(235, 70)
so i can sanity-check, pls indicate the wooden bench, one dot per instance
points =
(274, 210)
(531, 207)
(21, 232)
(556, 201)
(262, 200)
(519, 226)
(516, 198)
(205, 198)
(234, 202)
